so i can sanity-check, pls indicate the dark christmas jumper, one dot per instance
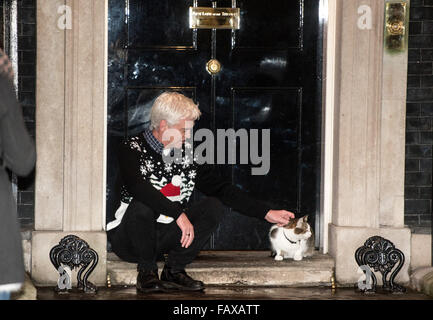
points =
(167, 187)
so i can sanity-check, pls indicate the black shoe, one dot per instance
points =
(148, 282)
(181, 280)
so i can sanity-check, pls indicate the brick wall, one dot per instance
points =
(27, 85)
(419, 123)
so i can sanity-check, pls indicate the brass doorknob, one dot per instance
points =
(213, 66)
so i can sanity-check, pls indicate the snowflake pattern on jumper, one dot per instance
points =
(186, 162)
(175, 180)
(192, 174)
(143, 170)
(168, 167)
(135, 145)
(149, 165)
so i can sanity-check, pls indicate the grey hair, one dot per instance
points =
(173, 107)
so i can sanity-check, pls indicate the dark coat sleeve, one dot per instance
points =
(141, 189)
(212, 184)
(17, 148)
(17, 152)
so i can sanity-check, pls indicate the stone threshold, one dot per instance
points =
(239, 268)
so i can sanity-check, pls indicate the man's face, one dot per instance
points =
(178, 133)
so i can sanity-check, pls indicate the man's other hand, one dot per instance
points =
(280, 217)
(187, 230)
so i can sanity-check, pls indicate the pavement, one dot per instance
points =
(232, 293)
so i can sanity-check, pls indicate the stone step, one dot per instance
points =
(251, 268)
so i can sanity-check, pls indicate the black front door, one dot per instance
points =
(270, 79)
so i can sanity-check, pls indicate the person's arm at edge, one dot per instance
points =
(17, 146)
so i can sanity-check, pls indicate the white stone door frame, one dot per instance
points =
(71, 130)
(359, 88)
(363, 154)
(328, 16)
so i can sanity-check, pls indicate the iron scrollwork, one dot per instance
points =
(381, 255)
(76, 254)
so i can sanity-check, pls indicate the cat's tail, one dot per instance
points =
(310, 245)
(272, 235)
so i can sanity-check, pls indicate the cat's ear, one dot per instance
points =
(305, 218)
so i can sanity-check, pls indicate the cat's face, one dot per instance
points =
(300, 227)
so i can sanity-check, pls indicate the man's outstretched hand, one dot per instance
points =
(187, 230)
(280, 217)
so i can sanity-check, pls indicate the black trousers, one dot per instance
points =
(140, 239)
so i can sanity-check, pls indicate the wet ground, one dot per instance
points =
(232, 293)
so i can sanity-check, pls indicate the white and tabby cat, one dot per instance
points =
(294, 240)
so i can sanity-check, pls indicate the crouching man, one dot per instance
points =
(155, 216)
